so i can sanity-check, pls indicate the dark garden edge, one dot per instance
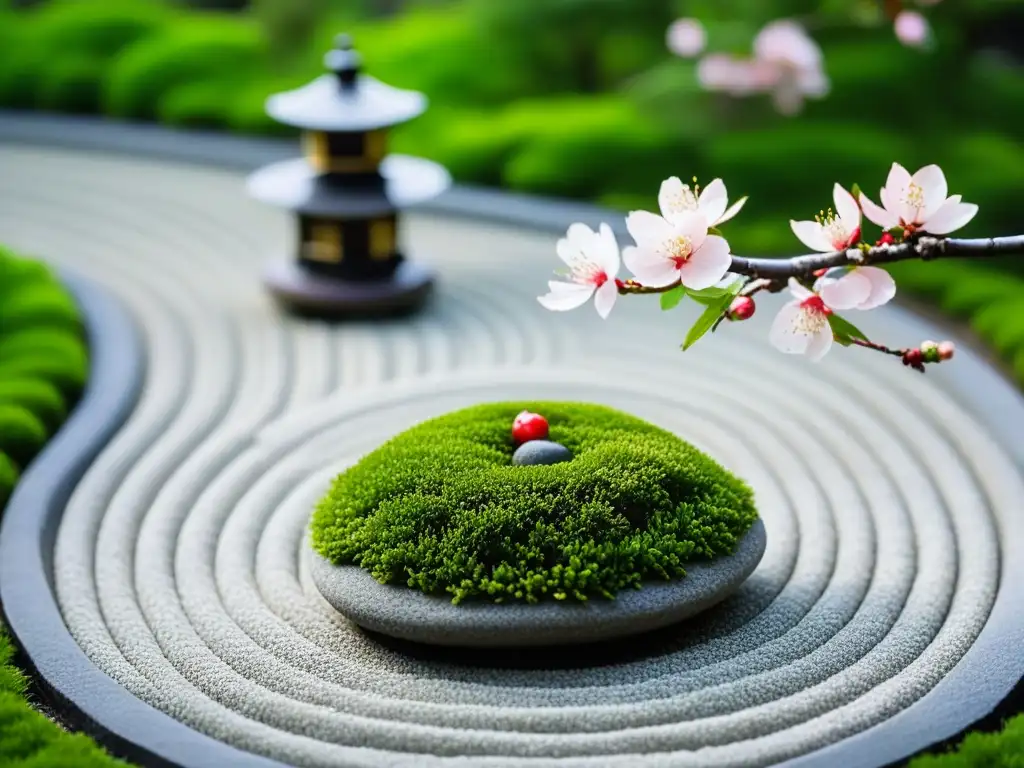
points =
(983, 686)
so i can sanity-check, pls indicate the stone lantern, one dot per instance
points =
(346, 193)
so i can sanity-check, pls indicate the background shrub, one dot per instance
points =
(8, 477)
(207, 50)
(40, 397)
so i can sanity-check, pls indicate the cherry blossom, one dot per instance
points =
(912, 28)
(680, 250)
(593, 260)
(882, 286)
(791, 64)
(802, 327)
(834, 231)
(686, 37)
(677, 200)
(918, 203)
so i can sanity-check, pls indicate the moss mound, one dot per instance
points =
(442, 508)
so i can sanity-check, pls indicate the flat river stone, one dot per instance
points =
(399, 611)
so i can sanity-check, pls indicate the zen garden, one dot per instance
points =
(533, 383)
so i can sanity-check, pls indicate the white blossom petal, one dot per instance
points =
(565, 296)
(883, 287)
(881, 216)
(604, 298)
(820, 343)
(648, 228)
(812, 234)
(847, 292)
(568, 251)
(797, 289)
(932, 182)
(707, 265)
(897, 182)
(692, 226)
(846, 208)
(713, 201)
(649, 268)
(732, 211)
(788, 332)
(950, 216)
(607, 254)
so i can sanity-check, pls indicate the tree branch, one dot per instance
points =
(920, 248)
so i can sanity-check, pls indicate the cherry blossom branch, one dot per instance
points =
(772, 274)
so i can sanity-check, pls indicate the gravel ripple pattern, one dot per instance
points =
(181, 563)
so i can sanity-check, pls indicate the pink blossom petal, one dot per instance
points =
(567, 251)
(811, 234)
(846, 208)
(707, 265)
(565, 296)
(911, 28)
(648, 228)
(951, 216)
(607, 254)
(733, 210)
(820, 343)
(880, 216)
(883, 287)
(787, 333)
(713, 201)
(932, 182)
(798, 291)
(604, 298)
(650, 268)
(847, 292)
(686, 37)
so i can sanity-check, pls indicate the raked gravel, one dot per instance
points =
(181, 563)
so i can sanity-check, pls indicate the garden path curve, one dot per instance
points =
(886, 614)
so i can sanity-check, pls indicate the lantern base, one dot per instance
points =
(309, 294)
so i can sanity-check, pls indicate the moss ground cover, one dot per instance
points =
(43, 366)
(442, 508)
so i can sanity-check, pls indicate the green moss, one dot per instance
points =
(442, 507)
(38, 305)
(27, 738)
(8, 477)
(40, 397)
(983, 750)
(22, 433)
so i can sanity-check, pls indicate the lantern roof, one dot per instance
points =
(347, 100)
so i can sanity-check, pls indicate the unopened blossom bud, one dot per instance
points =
(742, 308)
(946, 349)
(886, 239)
(929, 351)
(913, 357)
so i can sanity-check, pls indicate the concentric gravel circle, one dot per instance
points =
(885, 603)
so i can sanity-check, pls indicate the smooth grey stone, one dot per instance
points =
(400, 611)
(534, 452)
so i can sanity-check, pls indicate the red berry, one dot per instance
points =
(529, 426)
(742, 308)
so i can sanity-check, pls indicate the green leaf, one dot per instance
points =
(670, 299)
(708, 293)
(714, 310)
(844, 330)
(855, 190)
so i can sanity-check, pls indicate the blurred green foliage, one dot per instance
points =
(576, 98)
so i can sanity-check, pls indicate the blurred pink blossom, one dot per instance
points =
(787, 63)
(912, 28)
(686, 38)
